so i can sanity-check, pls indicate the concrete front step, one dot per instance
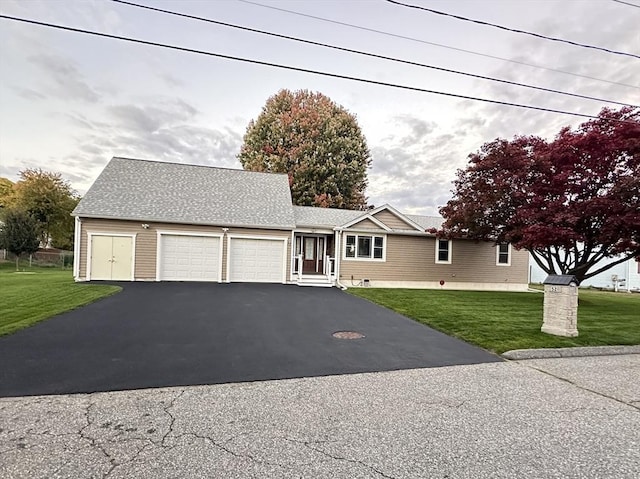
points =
(318, 281)
(317, 285)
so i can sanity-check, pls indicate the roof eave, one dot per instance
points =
(195, 223)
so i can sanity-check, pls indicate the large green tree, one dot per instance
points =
(317, 142)
(49, 199)
(6, 190)
(19, 234)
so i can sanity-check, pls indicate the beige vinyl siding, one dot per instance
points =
(412, 258)
(147, 241)
(392, 221)
(366, 224)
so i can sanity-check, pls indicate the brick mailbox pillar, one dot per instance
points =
(560, 316)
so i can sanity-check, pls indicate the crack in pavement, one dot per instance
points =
(308, 444)
(222, 447)
(132, 459)
(150, 442)
(102, 444)
(93, 442)
(584, 388)
(171, 416)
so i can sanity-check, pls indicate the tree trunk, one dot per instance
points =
(17, 262)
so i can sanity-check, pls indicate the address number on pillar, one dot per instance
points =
(554, 289)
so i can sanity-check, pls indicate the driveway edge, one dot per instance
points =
(518, 354)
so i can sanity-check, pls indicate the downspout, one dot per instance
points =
(292, 255)
(338, 254)
(76, 248)
(629, 261)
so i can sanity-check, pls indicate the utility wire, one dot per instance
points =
(298, 69)
(513, 30)
(373, 55)
(471, 52)
(626, 3)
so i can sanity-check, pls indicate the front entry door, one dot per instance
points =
(312, 254)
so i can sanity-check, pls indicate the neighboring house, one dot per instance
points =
(624, 276)
(156, 221)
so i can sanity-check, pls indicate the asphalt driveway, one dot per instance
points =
(178, 334)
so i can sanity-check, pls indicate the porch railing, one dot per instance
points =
(299, 257)
(329, 267)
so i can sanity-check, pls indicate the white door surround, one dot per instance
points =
(111, 257)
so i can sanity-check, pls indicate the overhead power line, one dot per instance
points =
(425, 42)
(627, 3)
(297, 69)
(513, 30)
(373, 55)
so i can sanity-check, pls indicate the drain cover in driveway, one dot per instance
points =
(347, 335)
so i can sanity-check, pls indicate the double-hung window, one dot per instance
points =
(443, 251)
(364, 247)
(503, 254)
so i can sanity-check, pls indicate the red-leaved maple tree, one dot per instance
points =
(570, 202)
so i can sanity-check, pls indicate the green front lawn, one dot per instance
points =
(503, 321)
(34, 294)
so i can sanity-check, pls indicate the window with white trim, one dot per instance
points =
(443, 251)
(503, 254)
(364, 247)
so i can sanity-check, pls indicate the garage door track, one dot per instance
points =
(176, 334)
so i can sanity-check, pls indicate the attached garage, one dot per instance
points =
(186, 223)
(256, 260)
(111, 257)
(188, 257)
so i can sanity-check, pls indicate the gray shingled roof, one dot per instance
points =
(177, 193)
(427, 222)
(171, 192)
(327, 217)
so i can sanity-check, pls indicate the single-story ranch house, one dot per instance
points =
(156, 221)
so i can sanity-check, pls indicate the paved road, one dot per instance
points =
(557, 418)
(181, 334)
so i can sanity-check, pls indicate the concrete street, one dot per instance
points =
(547, 418)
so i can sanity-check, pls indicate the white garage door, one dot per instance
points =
(189, 258)
(256, 260)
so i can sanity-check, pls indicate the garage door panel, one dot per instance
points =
(189, 258)
(256, 260)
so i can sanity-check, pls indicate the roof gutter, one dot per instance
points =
(384, 232)
(155, 220)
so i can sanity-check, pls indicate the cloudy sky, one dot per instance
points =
(69, 102)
